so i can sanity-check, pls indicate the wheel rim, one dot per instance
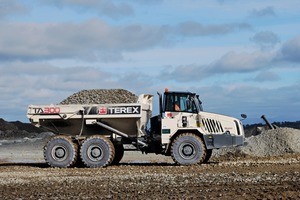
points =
(95, 153)
(59, 153)
(187, 150)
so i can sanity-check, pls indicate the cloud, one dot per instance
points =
(139, 82)
(33, 69)
(191, 28)
(147, 2)
(185, 73)
(19, 76)
(104, 7)
(231, 62)
(264, 12)
(11, 7)
(265, 39)
(290, 50)
(266, 76)
(240, 62)
(98, 41)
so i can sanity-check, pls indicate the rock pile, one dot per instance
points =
(274, 142)
(101, 96)
(269, 143)
(13, 130)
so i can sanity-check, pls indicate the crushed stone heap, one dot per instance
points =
(274, 142)
(13, 130)
(269, 143)
(101, 96)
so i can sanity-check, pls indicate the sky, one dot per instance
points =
(239, 56)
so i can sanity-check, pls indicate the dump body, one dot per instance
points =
(130, 118)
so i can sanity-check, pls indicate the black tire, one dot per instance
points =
(97, 151)
(79, 163)
(60, 151)
(188, 149)
(119, 153)
(208, 155)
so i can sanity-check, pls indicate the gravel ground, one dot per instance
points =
(267, 168)
(270, 178)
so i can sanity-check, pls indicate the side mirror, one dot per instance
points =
(160, 104)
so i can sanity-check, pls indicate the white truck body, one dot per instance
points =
(183, 131)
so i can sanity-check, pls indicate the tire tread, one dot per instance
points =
(173, 155)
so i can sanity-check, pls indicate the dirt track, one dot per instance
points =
(265, 178)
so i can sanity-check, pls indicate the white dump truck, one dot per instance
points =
(96, 134)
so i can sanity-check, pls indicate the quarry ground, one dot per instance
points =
(267, 168)
(153, 177)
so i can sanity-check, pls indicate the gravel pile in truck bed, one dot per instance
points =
(101, 96)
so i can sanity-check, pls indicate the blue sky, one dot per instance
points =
(239, 56)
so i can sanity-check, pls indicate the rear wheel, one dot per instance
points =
(119, 153)
(188, 149)
(97, 151)
(60, 151)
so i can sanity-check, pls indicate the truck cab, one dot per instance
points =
(187, 132)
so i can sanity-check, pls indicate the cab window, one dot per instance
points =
(179, 103)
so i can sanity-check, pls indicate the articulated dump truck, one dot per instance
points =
(96, 134)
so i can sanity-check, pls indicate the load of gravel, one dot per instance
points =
(101, 96)
(269, 143)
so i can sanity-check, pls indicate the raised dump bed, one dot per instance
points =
(81, 120)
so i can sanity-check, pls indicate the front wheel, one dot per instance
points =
(208, 155)
(188, 149)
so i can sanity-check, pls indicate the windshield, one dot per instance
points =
(180, 102)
